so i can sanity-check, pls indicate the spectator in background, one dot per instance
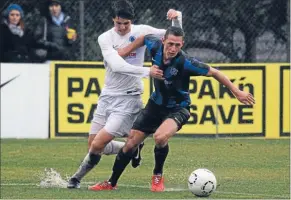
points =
(55, 34)
(15, 40)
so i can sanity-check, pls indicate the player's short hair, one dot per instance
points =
(123, 9)
(173, 30)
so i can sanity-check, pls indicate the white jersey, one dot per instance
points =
(123, 76)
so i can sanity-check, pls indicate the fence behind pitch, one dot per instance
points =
(216, 31)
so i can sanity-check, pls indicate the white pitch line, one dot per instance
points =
(167, 189)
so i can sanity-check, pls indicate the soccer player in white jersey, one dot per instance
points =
(120, 100)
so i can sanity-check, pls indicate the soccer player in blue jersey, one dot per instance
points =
(168, 107)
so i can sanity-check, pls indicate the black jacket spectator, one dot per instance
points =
(57, 43)
(15, 40)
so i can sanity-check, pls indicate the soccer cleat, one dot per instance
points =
(73, 183)
(158, 183)
(135, 161)
(106, 185)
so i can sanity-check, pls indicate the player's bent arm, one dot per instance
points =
(147, 30)
(174, 15)
(138, 42)
(148, 40)
(117, 63)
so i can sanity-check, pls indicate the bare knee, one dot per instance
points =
(161, 139)
(133, 141)
(97, 146)
(129, 146)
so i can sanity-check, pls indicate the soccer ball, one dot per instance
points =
(202, 182)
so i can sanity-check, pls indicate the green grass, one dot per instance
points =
(244, 168)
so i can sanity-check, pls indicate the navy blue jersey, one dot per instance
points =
(174, 90)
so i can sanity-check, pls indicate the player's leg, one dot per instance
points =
(92, 158)
(131, 106)
(119, 124)
(97, 123)
(146, 122)
(123, 158)
(136, 157)
(113, 147)
(98, 139)
(167, 129)
(175, 120)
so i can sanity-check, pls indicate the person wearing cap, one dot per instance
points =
(55, 32)
(14, 38)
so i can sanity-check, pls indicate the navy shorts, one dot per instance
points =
(153, 115)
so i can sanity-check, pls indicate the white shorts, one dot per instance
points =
(116, 114)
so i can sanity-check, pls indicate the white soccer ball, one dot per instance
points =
(202, 182)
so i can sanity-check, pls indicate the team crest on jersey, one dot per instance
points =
(132, 38)
(173, 71)
(168, 82)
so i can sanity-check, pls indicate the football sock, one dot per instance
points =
(160, 158)
(88, 163)
(113, 147)
(121, 161)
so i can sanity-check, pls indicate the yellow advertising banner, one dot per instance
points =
(75, 89)
(76, 86)
(284, 100)
(215, 110)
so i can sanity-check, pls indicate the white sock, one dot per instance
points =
(113, 147)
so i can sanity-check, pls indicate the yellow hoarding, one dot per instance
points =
(285, 100)
(76, 86)
(214, 108)
(75, 89)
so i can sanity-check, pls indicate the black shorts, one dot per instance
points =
(153, 115)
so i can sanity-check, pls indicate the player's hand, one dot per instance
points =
(172, 14)
(245, 97)
(121, 52)
(155, 72)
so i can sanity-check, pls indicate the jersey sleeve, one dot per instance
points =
(178, 22)
(147, 30)
(116, 62)
(151, 41)
(194, 67)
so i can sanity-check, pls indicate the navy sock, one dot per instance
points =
(160, 158)
(121, 161)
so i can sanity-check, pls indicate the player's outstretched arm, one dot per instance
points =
(197, 68)
(244, 97)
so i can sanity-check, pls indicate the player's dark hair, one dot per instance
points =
(176, 31)
(123, 9)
